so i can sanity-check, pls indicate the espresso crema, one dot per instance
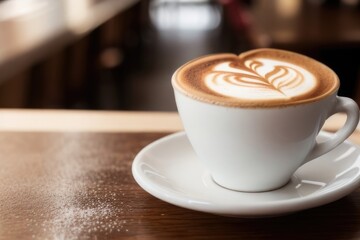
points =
(262, 77)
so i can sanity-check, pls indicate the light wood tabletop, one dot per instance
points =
(88, 121)
(103, 121)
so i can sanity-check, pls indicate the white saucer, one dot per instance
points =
(169, 170)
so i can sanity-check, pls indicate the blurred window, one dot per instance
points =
(185, 14)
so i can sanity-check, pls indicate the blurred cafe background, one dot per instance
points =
(120, 54)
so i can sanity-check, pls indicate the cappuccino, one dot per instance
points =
(253, 119)
(257, 78)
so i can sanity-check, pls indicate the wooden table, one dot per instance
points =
(67, 175)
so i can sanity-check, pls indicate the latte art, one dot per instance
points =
(260, 79)
(257, 78)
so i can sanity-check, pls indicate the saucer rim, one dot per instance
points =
(269, 208)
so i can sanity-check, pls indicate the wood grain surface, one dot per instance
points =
(79, 186)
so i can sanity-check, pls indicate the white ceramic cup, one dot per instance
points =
(258, 149)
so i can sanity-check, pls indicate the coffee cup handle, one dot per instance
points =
(350, 108)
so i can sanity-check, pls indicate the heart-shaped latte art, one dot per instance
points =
(256, 78)
(259, 78)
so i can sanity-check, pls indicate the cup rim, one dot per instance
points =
(202, 97)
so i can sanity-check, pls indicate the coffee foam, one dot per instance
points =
(262, 77)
